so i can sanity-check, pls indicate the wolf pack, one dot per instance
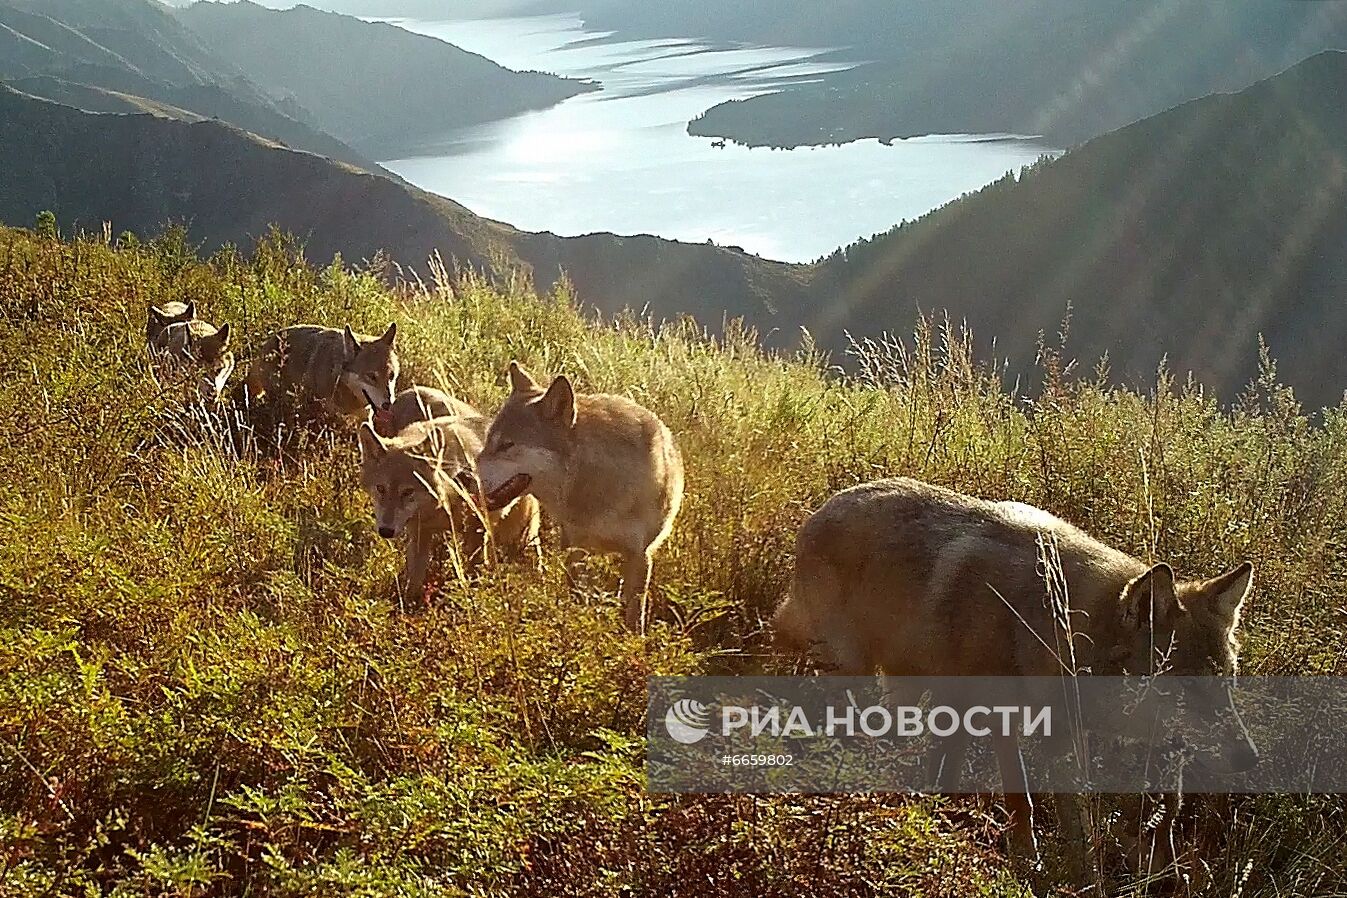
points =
(896, 576)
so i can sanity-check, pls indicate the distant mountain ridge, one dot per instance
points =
(1183, 236)
(124, 92)
(141, 36)
(345, 71)
(1067, 70)
(135, 55)
(142, 171)
(315, 81)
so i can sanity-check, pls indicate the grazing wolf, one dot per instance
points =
(424, 403)
(325, 372)
(603, 467)
(916, 580)
(196, 351)
(160, 317)
(423, 483)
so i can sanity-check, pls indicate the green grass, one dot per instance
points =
(204, 689)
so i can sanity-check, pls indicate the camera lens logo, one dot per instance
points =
(687, 721)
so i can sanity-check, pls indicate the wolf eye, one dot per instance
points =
(408, 493)
(381, 489)
(504, 445)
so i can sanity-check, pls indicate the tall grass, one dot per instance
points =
(204, 689)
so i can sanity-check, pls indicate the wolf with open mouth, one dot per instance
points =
(604, 468)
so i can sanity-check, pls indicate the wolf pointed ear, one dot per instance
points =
(1150, 598)
(390, 335)
(371, 444)
(157, 316)
(351, 344)
(558, 403)
(214, 343)
(520, 380)
(189, 314)
(1228, 592)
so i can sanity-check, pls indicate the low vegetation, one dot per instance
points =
(205, 690)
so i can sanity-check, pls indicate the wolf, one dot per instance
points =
(192, 349)
(160, 317)
(603, 467)
(422, 483)
(912, 579)
(323, 372)
(424, 403)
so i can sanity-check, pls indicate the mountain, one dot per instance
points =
(313, 79)
(137, 35)
(417, 9)
(1065, 69)
(116, 55)
(143, 171)
(1068, 70)
(1183, 236)
(189, 102)
(344, 71)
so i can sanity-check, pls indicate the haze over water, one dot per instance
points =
(620, 159)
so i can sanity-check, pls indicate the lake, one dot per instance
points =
(620, 159)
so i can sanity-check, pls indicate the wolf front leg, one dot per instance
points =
(1015, 786)
(635, 582)
(411, 583)
(1073, 821)
(574, 559)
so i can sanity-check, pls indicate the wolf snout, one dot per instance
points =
(467, 480)
(384, 405)
(508, 491)
(387, 532)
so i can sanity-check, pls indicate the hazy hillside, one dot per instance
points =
(1185, 235)
(794, 22)
(375, 86)
(140, 172)
(115, 55)
(189, 103)
(139, 35)
(1067, 69)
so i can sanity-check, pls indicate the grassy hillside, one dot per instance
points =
(204, 690)
(1186, 236)
(140, 172)
(345, 71)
